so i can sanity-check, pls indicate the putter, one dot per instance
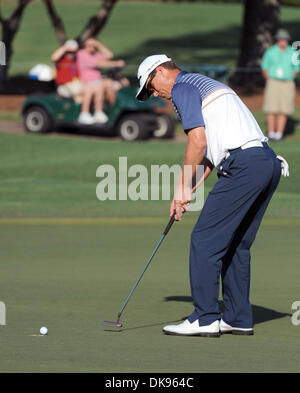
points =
(118, 324)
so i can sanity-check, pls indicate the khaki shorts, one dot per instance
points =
(279, 97)
(70, 89)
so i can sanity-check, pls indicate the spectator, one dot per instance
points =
(67, 81)
(114, 81)
(279, 69)
(90, 58)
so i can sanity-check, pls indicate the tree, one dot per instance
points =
(10, 27)
(93, 27)
(261, 21)
(56, 21)
(97, 21)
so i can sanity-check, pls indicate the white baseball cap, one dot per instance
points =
(72, 44)
(144, 70)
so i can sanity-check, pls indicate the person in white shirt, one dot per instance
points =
(222, 133)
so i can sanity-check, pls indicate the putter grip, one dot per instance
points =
(170, 223)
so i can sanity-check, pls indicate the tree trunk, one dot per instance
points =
(56, 22)
(261, 21)
(10, 27)
(97, 22)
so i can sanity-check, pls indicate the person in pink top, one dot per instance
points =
(90, 58)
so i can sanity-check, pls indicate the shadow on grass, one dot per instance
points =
(223, 43)
(260, 314)
(119, 330)
(215, 46)
(193, 48)
(290, 125)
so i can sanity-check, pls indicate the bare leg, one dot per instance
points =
(281, 123)
(271, 122)
(87, 95)
(98, 96)
(99, 115)
(85, 116)
(110, 92)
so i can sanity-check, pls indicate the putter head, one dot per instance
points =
(113, 324)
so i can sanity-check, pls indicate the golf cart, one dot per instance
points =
(127, 118)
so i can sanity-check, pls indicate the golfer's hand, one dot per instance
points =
(180, 203)
(284, 166)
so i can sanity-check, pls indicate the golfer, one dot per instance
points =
(222, 133)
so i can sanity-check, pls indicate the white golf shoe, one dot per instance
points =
(227, 329)
(86, 118)
(100, 117)
(193, 329)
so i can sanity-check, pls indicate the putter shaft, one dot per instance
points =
(168, 227)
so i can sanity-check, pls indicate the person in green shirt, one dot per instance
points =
(279, 67)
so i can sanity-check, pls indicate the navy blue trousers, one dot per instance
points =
(224, 233)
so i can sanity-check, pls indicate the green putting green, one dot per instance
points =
(68, 262)
(71, 276)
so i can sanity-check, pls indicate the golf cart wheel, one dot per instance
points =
(37, 120)
(166, 127)
(133, 128)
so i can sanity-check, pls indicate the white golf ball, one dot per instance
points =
(43, 331)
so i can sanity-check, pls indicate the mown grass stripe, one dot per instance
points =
(273, 221)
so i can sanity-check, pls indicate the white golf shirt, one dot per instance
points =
(202, 101)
